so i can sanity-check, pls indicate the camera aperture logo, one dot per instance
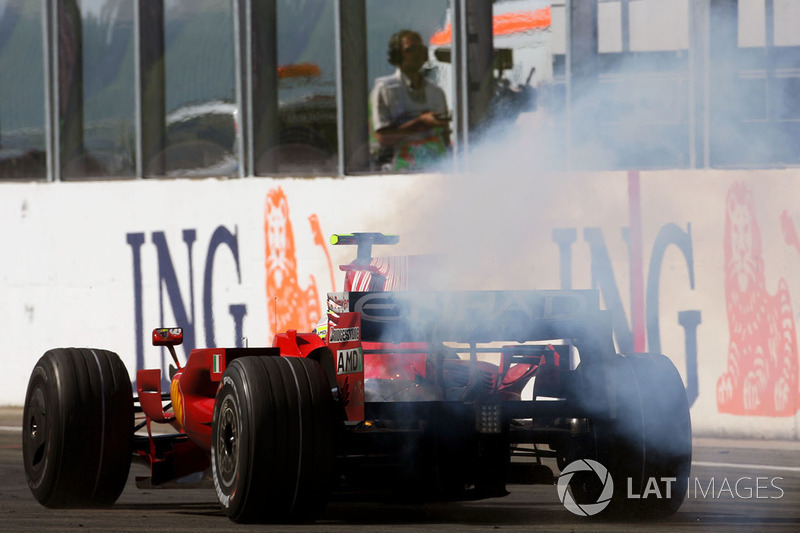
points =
(585, 509)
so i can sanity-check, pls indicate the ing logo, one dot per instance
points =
(585, 467)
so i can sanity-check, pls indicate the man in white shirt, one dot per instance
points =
(409, 113)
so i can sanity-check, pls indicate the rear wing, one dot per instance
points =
(479, 316)
(365, 273)
(364, 241)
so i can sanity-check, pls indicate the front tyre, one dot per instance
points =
(78, 428)
(271, 441)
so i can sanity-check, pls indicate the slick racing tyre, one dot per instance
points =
(647, 445)
(78, 428)
(271, 440)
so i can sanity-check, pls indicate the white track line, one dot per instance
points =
(694, 463)
(747, 466)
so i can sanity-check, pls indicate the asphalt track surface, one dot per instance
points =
(767, 498)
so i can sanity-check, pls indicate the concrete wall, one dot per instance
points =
(703, 266)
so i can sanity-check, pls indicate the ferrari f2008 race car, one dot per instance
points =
(412, 392)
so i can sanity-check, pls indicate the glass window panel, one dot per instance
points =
(609, 27)
(430, 19)
(558, 27)
(617, 96)
(752, 23)
(658, 25)
(787, 22)
(200, 88)
(307, 137)
(752, 96)
(787, 95)
(106, 44)
(522, 78)
(22, 111)
(524, 27)
(663, 98)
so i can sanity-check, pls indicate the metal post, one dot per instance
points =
(50, 109)
(582, 64)
(568, 83)
(698, 86)
(55, 87)
(262, 120)
(352, 93)
(137, 90)
(151, 88)
(245, 77)
(69, 87)
(724, 137)
(480, 59)
(769, 61)
(625, 12)
(460, 104)
(239, 90)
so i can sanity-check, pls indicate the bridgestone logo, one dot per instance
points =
(344, 335)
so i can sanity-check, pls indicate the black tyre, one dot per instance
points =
(78, 428)
(272, 440)
(647, 446)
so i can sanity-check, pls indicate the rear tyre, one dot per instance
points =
(647, 446)
(271, 442)
(78, 428)
(666, 436)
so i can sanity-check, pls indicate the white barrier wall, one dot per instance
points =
(701, 265)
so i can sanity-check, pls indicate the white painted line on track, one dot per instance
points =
(17, 429)
(747, 466)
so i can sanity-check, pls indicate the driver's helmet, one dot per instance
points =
(321, 327)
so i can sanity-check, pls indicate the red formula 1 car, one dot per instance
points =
(410, 392)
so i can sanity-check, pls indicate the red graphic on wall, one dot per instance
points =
(762, 373)
(290, 306)
(789, 231)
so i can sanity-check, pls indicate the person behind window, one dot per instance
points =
(409, 113)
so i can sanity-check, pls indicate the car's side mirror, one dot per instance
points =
(167, 336)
